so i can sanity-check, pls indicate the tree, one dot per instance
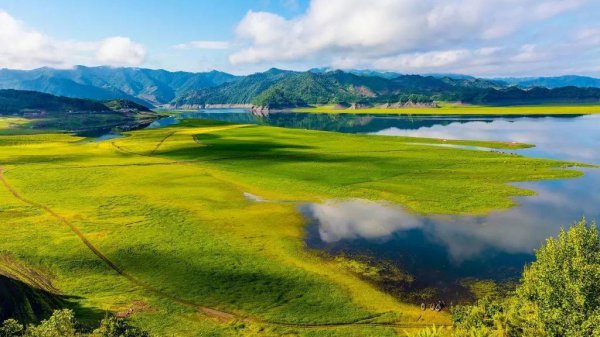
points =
(11, 328)
(60, 324)
(564, 282)
(115, 327)
(559, 294)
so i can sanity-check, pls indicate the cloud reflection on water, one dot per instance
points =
(564, 138)
(515, 231)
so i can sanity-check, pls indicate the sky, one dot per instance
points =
(488, 38)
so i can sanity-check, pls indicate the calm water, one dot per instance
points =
(439, 251)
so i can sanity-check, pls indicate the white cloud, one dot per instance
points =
(120, 51)
(397, 34)
(22, 47)
(203, 45)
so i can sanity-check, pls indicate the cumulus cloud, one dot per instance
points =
(120, 51)
(397, 35)
(203, 45)
(22, 47)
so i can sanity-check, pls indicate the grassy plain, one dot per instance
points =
(188, 255)
(457, 109)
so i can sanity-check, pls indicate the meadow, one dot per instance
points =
(460, 109)
(156, 226)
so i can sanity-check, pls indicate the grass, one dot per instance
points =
(455, 109)
(166, 206)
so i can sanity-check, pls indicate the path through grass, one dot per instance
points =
(167, 209)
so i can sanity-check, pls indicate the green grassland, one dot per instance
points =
(156, 224)
(457, 109)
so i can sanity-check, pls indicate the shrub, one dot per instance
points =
(559, 294)
(11, 328)
(564, 282)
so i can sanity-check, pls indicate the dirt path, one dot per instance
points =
(104, 258)
(210, 312)
(161, 143)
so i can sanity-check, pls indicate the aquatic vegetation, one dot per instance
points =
(159, 217)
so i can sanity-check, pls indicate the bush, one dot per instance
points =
(11, 328)
(559, 294)
(62, 323)
(114, 327)
(564, 282)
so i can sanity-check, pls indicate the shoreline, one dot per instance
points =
(531, 110)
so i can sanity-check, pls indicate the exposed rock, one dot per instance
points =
(206, 106)
(407, 105)
(260, 110)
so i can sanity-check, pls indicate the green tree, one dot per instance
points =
(115, 327)
(60, 324)
(564, 282)
(559, 294)
(11, 328)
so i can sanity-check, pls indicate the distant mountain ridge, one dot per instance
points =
(281, 89)
(553, 82)
(23, 102)
(145, 86)
(285, 88)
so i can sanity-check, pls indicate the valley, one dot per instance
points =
(160, 217)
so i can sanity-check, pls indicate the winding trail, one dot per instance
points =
(161, 143)
(104, 258)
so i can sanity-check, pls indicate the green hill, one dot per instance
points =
(74, 114)
(276, 89)
(144, 86)
(18, 102)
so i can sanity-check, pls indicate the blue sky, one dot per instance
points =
(487, 38)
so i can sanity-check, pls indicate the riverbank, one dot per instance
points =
(455, 109)
(168, 210)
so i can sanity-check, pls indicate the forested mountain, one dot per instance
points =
(239, 91)
(281, 88)
(20, 102)
(553, 82)
(284, 89)
(145, 86)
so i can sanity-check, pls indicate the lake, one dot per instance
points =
(442, 253)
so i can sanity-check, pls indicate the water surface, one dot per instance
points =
(441, 252)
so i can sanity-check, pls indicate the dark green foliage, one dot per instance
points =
(11, 328)
(241, 91)
(115, 327)
(24, 302)
(122, 104)
(16, 101)
(62, 323)
(515, 95)
(559, 295)
(564, 282)
(282, 89)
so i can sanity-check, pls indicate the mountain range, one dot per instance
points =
(145, 86)
(283, 88)
(22, 102)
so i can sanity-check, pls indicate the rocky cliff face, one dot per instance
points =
(408, 105)
(207, 106)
